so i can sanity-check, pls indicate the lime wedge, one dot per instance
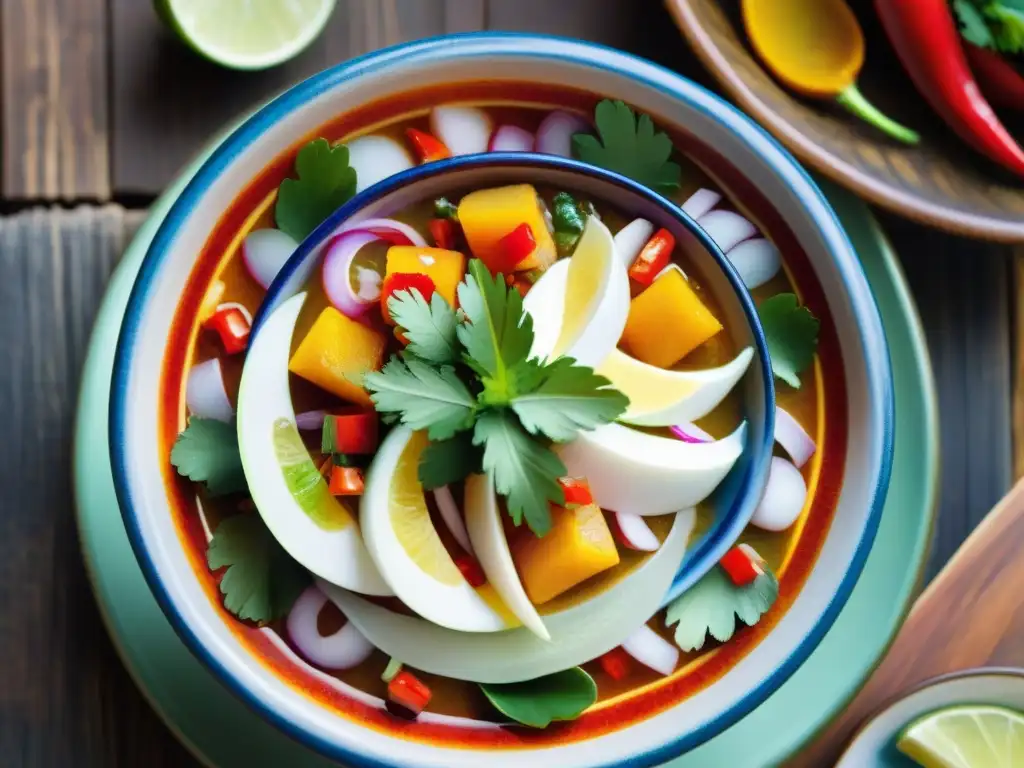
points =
(966, 737)
(246, 34)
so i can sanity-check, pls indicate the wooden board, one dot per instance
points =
(55, 137)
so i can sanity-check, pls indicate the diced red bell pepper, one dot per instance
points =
(617, 664)
(356, 432)
(346, 481)
(654, 257)
(514, 247)
(428, 148)
(406, 690)
(443, 232)
(232, 324)
(739, 567)
(577, 492)
(403, 281)
(471, 570)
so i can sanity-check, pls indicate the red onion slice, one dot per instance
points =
(793, 438)
(205, 394)
(783, 499)
(726, 228)
(652, 650)
(390, 230)
(510, 138)
(264, 252)
(345, 649)
(689, 432)
(701, 202)
(555, 132)
(452, 517)
(631, 239)
(464, 130)
(310, 420)
(757, 261)
(635, 533)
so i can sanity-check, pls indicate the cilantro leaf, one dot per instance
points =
(325, 182)
(972, 24)
(712, 605)
(792, 335)
(498, 334)
(525, 471)
(629, 146)
(568, 399)
(537, 703)
(261, 582)
(207, 452)
(430, 328)
(448, 461)
(424, 397)
(1007, 25)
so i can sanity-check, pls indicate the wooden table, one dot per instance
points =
(100, 107)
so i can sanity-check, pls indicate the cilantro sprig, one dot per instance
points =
(792, 335)
(325, 182)
(467, 378)
(207, 452)
(629, 145)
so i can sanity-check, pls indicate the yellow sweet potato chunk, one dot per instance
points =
(446, 268)
(487, 215)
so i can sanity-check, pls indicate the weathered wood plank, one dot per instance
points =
(55, 104)
(65, 698)
(168, 102)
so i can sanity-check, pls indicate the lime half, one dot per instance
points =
(966, 737)
(246, 34)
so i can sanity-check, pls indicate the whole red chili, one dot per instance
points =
(999, 80)
(928, 43)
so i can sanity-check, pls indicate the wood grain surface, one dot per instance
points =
(971, 615)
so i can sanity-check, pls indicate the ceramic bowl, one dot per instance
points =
(741, 158)
(735, 500)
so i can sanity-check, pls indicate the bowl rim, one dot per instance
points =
(711, 548)
(570, 51)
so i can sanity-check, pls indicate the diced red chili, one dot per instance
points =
(739, 567)
(428, 148)
(653, 258)
(232, 325)
(346, 481)
(443, 232)
(617, 664)
(356, 433)
(577, 492)
(406, 690)
(471, 570)
(404, 281)
(514, 247)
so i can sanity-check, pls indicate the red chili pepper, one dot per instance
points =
(406, 690)
(653, 258)
(403, 281)
(350, 433)
(428, 148)
(740, 568)
(577, 492)
(443, 232)
(471, 570)
(232, 324)
(999, 80)
(617, 664)
(346, 481)
(514, 247)
(928, 43)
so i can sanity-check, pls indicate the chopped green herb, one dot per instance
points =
(429, 328)
(446, 209)
(568, 222)
(537, 703)
(325, 182)
(261, 582)
(995, 24)
(629, 145)
(792, 335)
(207, 452)
(422, 396)
(972, 24)
(444, 462)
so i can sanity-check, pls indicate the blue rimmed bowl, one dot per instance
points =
(738, 156)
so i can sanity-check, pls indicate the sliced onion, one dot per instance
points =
(634, 532)
(726, 228)
(369, 283)
(345, 649)
(793, 438)
(310, 420)
(689, 432)
(205, 394)
(390, 230)
(452, 517)
(701, 202)
(652, 650)
(555, 132)
(264, 252)
(631, 239)
(375, 158)
(783, 499)
(510, 138)
(757, 261)
(464, 130)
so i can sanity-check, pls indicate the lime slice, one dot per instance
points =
(246, 34)
(966, 737)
